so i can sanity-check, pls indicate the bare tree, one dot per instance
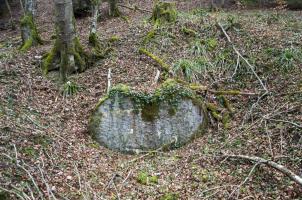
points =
(29, 31)
(67, 54)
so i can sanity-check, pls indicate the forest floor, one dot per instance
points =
(56, 158)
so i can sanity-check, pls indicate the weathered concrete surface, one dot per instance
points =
(119, 125)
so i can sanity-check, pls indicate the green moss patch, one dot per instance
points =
(170, 92)
(170, 196)
(27, 22)
(164, 12)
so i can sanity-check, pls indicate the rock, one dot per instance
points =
(130, 121)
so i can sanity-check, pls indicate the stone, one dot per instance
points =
(129, 121)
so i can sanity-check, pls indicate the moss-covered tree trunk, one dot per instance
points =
(114, 11)
(164, 12)
(29, 33)
(67, 53)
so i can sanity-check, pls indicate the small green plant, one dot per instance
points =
(114, 38)
(196, 48)
(170, 196)
(272, 18)
(142, 178)
(153, 179)
(145, 179)
(287, 58)
(70, 88)
(233, 22)
(211, 43)
(189, 32)
(30, 151)
(188, 68)
(200, 12)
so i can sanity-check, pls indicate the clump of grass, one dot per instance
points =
(196, 48)
(287, 58)
(70, 88)
(233, 22)
(211, 43)
(189, 69)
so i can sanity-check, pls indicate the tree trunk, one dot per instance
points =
(29, 31)
(93, 38)
(82, 7)
(114, 11)
(11, 21)
(67, 53)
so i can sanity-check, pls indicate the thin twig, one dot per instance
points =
(244, 59)
(12, 192)
(135, 8)
(285, 121)
(243, 182)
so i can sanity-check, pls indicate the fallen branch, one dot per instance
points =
(163, 66)
(285, 121)
(135, 8)
(244, 59)
(245, 180)
(272, 164)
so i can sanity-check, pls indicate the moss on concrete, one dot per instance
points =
(170, 92)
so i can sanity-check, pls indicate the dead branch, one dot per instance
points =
(272, 164)
(285, 121)
(243, 182)
(244, 59)
(163, 66)
(135, 8)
